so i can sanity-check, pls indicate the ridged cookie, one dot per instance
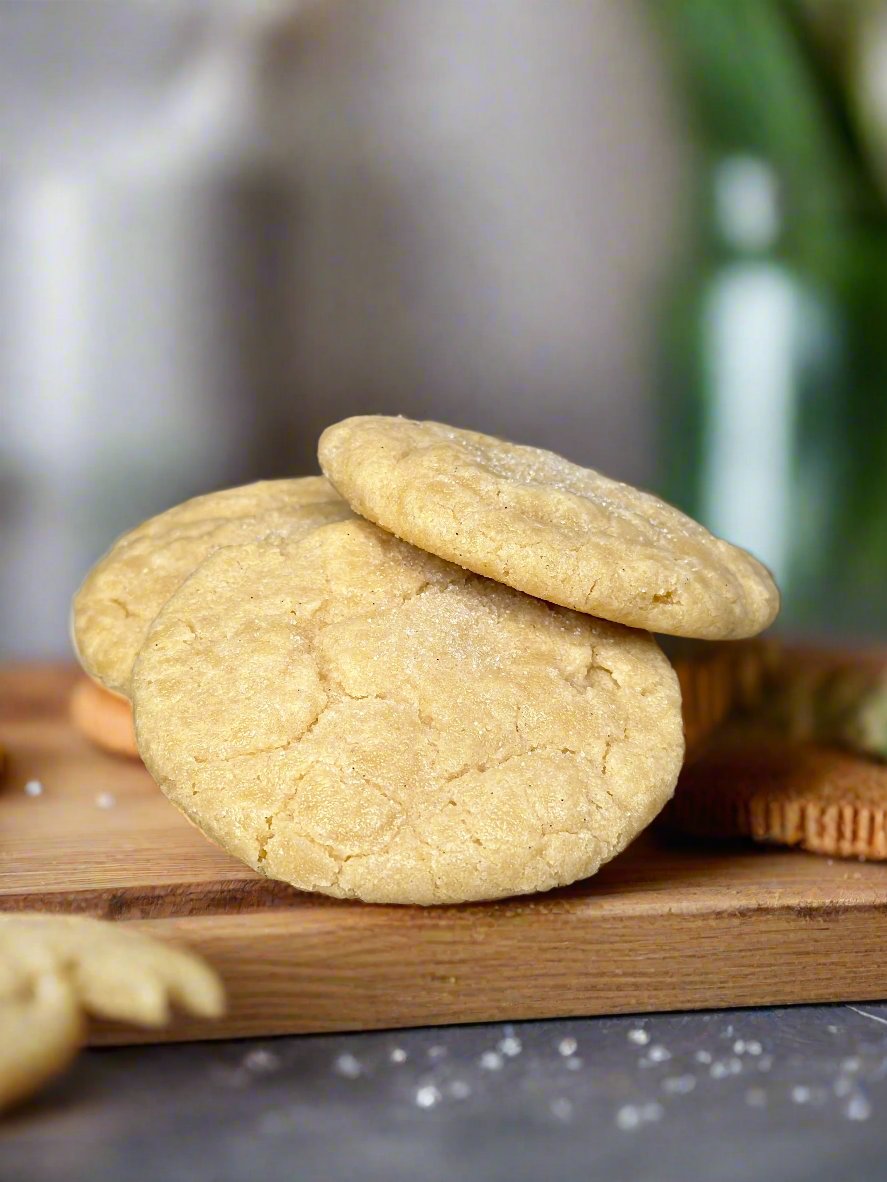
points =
(126, 589)
(537, 522)
(775, 790)
(354, 716)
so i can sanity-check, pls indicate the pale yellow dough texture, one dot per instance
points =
(357, 717)
(533, 520)
(54, 970)
(127, 588)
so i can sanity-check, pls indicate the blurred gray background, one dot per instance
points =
(225, 225)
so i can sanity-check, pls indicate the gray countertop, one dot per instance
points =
(725, 1096)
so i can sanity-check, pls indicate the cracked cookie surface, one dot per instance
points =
(533, 520)
(126, 589)
(357, 717)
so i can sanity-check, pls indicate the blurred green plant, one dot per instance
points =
(786, 282)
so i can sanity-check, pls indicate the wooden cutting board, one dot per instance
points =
(663, 927)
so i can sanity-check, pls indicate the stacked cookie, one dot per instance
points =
(452, 696)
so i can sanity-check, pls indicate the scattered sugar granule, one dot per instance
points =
(33, 788)
(261, 1060)
(567, 1047)
(398, 1055)
(348, 1066)
(510, 1045)
(639, 1036)
(491, 1061)
(628, 1117)
(857, 1107)
(427, 1096)
(658, 1054)
(562, 1108)
(679, 1085)
(106, 800)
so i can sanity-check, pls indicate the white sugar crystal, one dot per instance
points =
(628, 1117)
(800, 1094)
(348, 1065)
(703, 1056)
(491, 1061)
(739, 1047)
(261, 1060)
(562, 1108)
(398, 1055)
(427, 1096)
(753, 1047)
(510, 1046)
(639, 1036)
(567, 1047)
(679, 1085)
(857, 1107)
(658, 1054)
(106, 800)
(33, 788)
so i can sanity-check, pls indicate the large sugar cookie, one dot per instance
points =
(539, 523)
(354, 716)
(127, 588)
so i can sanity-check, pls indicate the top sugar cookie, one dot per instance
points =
(533, 520)
(126, 589)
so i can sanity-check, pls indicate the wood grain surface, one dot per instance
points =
(664, 926)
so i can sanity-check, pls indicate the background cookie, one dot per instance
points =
(774, 790)
(125, 590)
(537, 522)
(55, 969)
(356, 717)
(104, 718)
